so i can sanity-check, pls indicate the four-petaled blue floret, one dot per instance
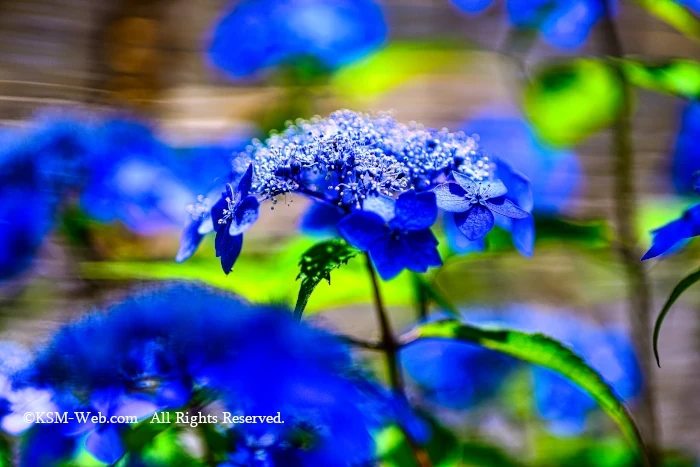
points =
(474, 204)
(396, 238)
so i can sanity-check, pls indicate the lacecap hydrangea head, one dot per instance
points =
(354, 164)
(258, 34)
(180, 345)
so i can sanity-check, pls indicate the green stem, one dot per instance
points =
(625, 211)
(391, 347)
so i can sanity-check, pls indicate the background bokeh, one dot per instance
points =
(147, 61)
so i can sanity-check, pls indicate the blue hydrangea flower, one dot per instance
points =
(159, 348)
(345, 160)
(667, 237)
(232, 215)
(257, 34)
(458, 376)
(563, 23)
(27, 209)
(474, 204)
(398, 240)
(686, 155)
(129, 179)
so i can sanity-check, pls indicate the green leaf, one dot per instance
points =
(568, 102)
(679, 77)
(316, 265)
(671, 12)
(394, 450)
(675, 294)
(544, 351)
(5, 452)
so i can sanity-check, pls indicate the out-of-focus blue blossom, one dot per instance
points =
(686, 156)
(665, 238)
(692, 4)
(457, 375)
(347, 159)
(257, 34)
(474, 204)
(560, 403)
(161, 348)
(27, 209)
(399, 239)
(130, 179)
(563, 23)
(15, 402)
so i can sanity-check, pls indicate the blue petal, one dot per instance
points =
(415, 211)
(217, 211)
(227, 248)
(321, 219)
(519, 190)
(523, 234)
(422, 250)
(569, 24)
(465, 182)
(362, 228)
(173, 394)
(382, 205)
(245, 216)
(190, 240)
(666, 237)
(492, 189)
(456, 240)
(450, 197)
(245, 183)
(46, 446)
(389, 256)
(105, 444)
(475, 223)
(505, 207)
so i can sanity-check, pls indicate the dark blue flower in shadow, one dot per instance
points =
(474, 204)
(234, 213)
(398, 236)
(667, 237)
(686, 156)
(258, 34)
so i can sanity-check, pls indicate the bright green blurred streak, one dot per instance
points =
(570, 101)
(262, 276)
(396, 64)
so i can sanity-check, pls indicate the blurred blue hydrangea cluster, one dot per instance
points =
(459, 376)
(113, 169)
(185, 347)
(255, 35)
(380, 183)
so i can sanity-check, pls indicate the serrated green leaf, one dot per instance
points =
(674, 14)
(316, 264)
(678, 290)
(568, 102)
(544, 351)
(679, 77)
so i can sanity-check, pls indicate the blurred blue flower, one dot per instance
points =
(160, 349)
(130, 179)
(474, 204)
(257, 34)
(27, 209)
(563, 23)
(398, 239)
(665, 238)
(457, 375)
(686, 156)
